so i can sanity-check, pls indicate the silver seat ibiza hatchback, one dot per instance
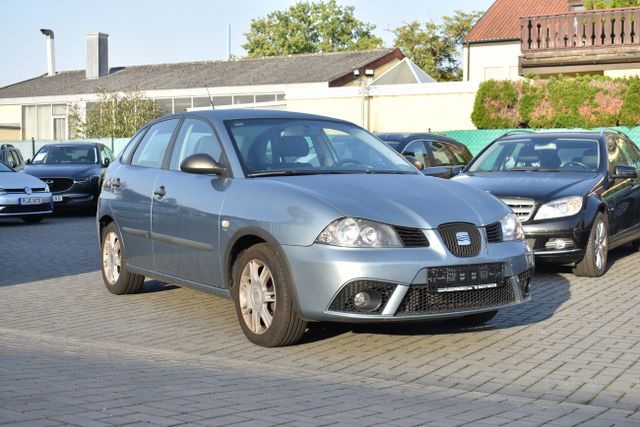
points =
(301, 218)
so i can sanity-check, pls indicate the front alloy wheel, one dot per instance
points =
(262, 293)
(594, 262)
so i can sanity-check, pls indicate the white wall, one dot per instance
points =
(497, 60)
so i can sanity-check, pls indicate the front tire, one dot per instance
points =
(263, 298)
(594, 262)
(117, 278)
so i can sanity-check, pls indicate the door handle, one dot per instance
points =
(160, 192)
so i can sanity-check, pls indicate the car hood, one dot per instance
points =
(540, 186)
(63, 171)
(405, 200)
(16, 180)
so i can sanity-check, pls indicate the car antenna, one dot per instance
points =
(210, 98)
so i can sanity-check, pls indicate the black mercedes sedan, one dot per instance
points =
(436, 155)
(73, 171)
(577, 193)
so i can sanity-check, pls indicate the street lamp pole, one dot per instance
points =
(365, 74)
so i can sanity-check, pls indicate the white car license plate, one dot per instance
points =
(30, 200)
(57, 198)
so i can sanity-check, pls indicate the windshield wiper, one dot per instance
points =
(388, 172)
(533, 170)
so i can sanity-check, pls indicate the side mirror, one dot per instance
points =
(415, 162)
(106, 162)
(28, 161)
(457, 170)
(202, 164)
(625, 172)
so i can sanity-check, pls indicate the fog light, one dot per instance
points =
(559, 243)
(367, 301)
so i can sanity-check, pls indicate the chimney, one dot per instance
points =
(97, 55)
(51, 59)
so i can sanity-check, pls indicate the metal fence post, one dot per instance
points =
(33, 147)
(112, 149)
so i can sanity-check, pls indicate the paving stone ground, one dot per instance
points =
(73, 354)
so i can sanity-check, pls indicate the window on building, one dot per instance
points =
(164, 106)
(266, 98)
(243, 99)
(181, 104)
(201, 102)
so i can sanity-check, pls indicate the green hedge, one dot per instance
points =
(559, 102)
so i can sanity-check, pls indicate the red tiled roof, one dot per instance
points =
(502, 20)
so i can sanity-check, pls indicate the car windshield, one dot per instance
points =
(269, 147)
(51, 155)
(551, 154)
(5, 168)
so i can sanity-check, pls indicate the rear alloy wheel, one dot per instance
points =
(594, 262)
(115, 275)
(264, 303)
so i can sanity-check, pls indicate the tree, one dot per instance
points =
(436, 47)
(606, 4)
(309, 27)
(115, 114)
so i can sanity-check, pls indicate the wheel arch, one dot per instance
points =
(244, 239)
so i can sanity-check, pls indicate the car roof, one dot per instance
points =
(239, 114)
(518, 135)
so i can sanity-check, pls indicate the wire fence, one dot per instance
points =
(476, 140)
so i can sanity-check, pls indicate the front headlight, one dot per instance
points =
(511, 228)
(359, 233)
(567, 206)
(3, 191)
(84, 179)
(46, 188)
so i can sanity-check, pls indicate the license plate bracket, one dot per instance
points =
(465, 277)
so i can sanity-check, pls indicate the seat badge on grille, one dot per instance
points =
(463, 238)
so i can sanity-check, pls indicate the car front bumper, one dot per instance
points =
(10, 205)
(572, 230)
(321, 273)
(79, 195)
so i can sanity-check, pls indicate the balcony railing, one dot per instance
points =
(618, 28)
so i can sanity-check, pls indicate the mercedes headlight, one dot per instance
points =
(359, 233)
(511, 228)
(84, 179)
(559, 208)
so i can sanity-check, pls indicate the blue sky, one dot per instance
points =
(161, 31)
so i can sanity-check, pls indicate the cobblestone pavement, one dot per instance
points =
(71, 353)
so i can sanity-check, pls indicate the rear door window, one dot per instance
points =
(441, 155)
(151, 150)
(418, 150)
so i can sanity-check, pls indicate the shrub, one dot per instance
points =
(559, 102)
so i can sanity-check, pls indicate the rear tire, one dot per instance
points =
(32, 219)
(115, 275)
(594, 262)
(262, 293)
(476, 319)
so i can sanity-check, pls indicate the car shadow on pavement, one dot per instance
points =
(152, 286)
(550, 290)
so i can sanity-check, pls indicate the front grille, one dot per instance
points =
(454, 234)
(21, 190)
(419, 300)
(494, 233)
(523, 208)
(412, 237)
(25, 209)
(57, 185)
(343, 302)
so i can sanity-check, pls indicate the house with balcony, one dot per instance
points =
(551, 37)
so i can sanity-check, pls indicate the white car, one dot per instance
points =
(23, 195)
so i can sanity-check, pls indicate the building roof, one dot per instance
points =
(306, 68)
(502, 20)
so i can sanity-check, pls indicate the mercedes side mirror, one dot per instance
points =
(415, 162)
(202, 164)
(625, 172)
